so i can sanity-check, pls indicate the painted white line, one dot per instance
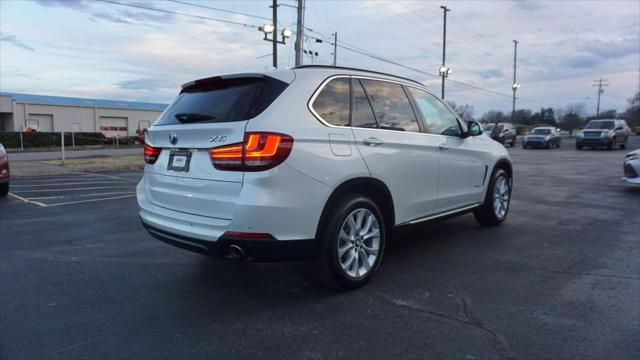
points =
(81, 195)
(76, 189)
(27, 200)
(116, 177)
(58, 178)
(91, 200)
(45, 197)
(71, 183)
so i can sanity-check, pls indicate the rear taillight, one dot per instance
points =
(151, 153)
(259, 151)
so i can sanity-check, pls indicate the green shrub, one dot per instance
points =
(37, 139)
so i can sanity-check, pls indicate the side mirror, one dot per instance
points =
(474, 128)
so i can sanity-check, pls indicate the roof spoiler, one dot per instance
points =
(218, 78)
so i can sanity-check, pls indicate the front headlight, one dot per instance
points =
(604, 134)
(632, 157)
(580, 133)
(547, 138)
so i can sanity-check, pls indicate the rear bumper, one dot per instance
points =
(282, 202)
(256, 250)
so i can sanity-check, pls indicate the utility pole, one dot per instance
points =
(600, 86)
(443, 70)
(335, 48)
(515, 85)
(275, 33)
(299, 33)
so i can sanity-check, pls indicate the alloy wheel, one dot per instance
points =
(501, 197)
(358, 243)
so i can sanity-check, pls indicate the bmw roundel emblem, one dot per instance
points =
(173, 138)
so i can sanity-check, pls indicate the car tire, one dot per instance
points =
(558, 145)
(624, 144)
(4, 189)
(578, 147)
(341, 230)
(611, 143)
(495, 207)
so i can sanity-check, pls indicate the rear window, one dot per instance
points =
(222, 100)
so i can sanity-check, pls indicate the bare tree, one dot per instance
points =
(465, 111)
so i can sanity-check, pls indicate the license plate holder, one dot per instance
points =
(179, 160)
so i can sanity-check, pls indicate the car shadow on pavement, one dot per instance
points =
(409, 246)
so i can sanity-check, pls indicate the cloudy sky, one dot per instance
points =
(106, 50)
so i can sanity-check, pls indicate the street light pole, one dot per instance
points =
(444, 47)
(275, 32)
(515, 85)
(335, 48)
(299, 33)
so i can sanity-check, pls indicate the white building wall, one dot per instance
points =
(87, 118)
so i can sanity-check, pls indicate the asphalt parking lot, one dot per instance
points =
(559, 279)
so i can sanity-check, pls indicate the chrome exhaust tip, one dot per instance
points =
(237, 252)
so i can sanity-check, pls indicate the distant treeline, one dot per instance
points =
(573, 116)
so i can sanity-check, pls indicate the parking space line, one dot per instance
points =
(81, 195)
(71, 183)
(27, 200)
(60, 177)
(91, 200)
(75, 189)
(116, 177)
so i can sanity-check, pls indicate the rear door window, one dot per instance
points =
(391, 106)
(332, 103)
(222, 100)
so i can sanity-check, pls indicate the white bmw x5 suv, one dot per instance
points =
(317, 163)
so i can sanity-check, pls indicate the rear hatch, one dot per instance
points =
(207, 113)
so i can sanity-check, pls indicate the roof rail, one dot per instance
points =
(356, 69)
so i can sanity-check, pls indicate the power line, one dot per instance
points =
(219, 9)
(179, 13)
(346, 46)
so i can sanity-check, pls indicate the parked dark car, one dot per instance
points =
(505, 133)
(4, 172)
(600, 133)
(542, 137)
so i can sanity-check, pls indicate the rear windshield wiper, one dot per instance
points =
(193, 117)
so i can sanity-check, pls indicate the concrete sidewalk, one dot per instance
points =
(52, 155)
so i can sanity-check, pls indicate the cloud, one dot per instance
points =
(145, 84)
(12, 39)
(491, 73)
(528, 5)
(70, 4)
(612, 49)
(582, 61)
(117, 14)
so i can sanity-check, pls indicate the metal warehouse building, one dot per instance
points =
(56, 113)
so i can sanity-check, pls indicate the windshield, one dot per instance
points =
(608, 125)
(223, 100)
(541, 132)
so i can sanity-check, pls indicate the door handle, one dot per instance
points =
(372, 141)
(443, 147)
